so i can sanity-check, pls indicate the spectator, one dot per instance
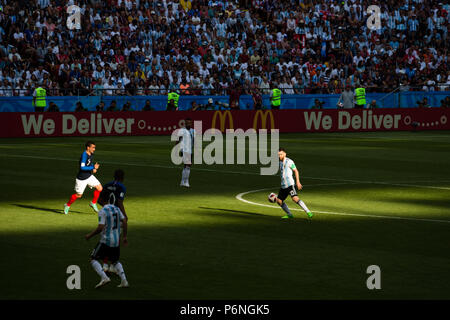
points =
(147, 106)
(373, 105)
(112, 106)
(52, 107)
(256, 95)
(235, 93)
(318, 104)
(79, 107)
(425, 103)
(445, 103)
(195, 106)
(347, 98)
(100, 107)
(171, 105)
(126, 106)
(234, 105)
(209, 105)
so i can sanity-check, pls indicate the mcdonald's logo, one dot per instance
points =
(263, 115)
(222, 118)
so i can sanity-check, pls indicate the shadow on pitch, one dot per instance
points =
(235, 211)
(60, 211)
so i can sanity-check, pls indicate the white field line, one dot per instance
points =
(424, 181)
(331, 135)
(233, 172)
(384, 183)
(240, 198)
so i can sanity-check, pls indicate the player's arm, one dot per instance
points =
(84, 167)
(95, 232)
(125, 231)
(297, 178)
(122, 208)
(101, 225)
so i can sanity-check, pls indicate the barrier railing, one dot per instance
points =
(398, 99)
(196, 91)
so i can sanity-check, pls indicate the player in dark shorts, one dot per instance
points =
(110, 222)
(287, 169)
(115, 191)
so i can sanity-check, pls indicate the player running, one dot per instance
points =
(186, 138)
(110, 221)
(85, 177)
(116, 194)
(287, 166)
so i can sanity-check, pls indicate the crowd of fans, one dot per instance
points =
(145, 47)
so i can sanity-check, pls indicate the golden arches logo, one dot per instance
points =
(263, 115)
(222, 118)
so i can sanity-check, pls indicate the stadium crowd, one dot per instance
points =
(145, 47)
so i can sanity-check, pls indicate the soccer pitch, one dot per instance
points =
(379, 199)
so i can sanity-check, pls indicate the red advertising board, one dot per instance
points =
(48, 124)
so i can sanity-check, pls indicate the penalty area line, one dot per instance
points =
(242, 194)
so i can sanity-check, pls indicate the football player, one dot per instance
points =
(287, 168)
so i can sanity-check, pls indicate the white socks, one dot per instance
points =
(98, 268)
(303, 205)
(120, 272)
(286, 209)
(185, 175)
(188, 173)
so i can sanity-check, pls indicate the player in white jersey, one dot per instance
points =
(287, 167)
(110, 221)
(186, 139)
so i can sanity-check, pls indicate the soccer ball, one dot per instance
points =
(340, 105)
(272, 197)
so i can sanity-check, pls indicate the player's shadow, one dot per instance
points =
(234, 211)
(60, 211)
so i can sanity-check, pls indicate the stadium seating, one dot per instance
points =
(144, 47)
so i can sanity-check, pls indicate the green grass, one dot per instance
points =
(203, 243)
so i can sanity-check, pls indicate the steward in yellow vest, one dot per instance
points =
(275, 98)
(39, 99)
(360, 97)
(172, 101)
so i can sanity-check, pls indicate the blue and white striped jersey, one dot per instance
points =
(187, 139)
(111, 217)
(286, 168)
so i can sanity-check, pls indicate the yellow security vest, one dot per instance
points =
(40, 98)
(360, 95)
(173, 96)
(276, 97)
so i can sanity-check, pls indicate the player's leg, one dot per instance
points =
(297, 200)
(80, 185)
(114, 257)
(183, 177)
(282, 195)
(188, 173)
(187, 160)
(98, 254)
(106, 266)
(94, 183)
(183, 172)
